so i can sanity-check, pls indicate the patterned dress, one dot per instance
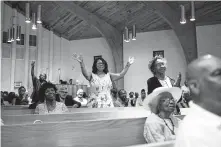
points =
(100, 92)
(59, 108)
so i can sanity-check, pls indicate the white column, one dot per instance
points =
(51, 54)
(13, 52)
(39, 48)
(27, 48)
(2, 29)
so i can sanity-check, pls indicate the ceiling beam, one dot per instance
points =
(113, 37)
(186, 33)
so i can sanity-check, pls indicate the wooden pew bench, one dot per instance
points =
(78, 116)
(90, 133)
(21, 110)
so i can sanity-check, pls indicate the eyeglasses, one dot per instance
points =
(167, 100)
(100, 63)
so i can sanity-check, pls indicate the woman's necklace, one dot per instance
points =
(171, 130)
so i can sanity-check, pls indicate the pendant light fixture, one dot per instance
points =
(9, 35)
(27, 13)
(39, 15)
(192, 18)
(126, 35)
(183, 17)
(12, 34)
(34, 27)
(134, 33)
(18, 34)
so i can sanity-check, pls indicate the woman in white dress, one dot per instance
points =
(101, 81)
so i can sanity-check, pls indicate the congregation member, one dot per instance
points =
(68, 100)
(48, 103)
(22, 98)
(37, 83)
(161, 125)
(202, 126)
(79, 98)
(132, 99)
(114, 94)
(158, 66)
(122, 100)
(11, 97)
(101, 80)
(139, 102)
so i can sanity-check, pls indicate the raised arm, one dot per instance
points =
(84, 71)
(117, 76)
(178, 81)
(32, 69)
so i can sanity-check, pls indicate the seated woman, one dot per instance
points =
(122, 100)
(23, 98)
(80, 98)
(161, 125)
(48, 104)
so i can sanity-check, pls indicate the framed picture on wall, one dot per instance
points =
(95, 57)
(158, 53)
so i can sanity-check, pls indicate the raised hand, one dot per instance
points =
(33, 63)
(131, 60)
(77, 57)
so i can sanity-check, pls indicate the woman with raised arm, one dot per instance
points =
(101, 81)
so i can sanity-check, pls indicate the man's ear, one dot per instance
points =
(194, 86)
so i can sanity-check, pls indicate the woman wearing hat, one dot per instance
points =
(161, 125)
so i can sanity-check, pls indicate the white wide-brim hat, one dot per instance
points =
(152, 100)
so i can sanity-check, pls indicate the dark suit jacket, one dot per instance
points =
(153, 83)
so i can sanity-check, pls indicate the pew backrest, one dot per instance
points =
(31, 118)
(21, 110)
(96, 133)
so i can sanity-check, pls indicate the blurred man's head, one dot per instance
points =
(63, 92)
(131, 94)
(122, 94)
(204, 81)
(42, 77)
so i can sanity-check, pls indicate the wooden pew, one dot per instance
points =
(16, 110)
(31, 118)
(93, 133)
(161, 144)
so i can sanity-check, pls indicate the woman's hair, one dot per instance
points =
(43, 88)
(152, 62)
(94, 67)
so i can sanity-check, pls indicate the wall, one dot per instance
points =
(209, 40)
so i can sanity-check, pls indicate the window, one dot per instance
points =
(5, 37)
(32, 40)
(22, 41)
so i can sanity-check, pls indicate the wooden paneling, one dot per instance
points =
(95, 133)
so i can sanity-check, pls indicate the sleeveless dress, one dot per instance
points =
(100, 96)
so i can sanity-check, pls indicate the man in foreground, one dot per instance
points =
(202, 126)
